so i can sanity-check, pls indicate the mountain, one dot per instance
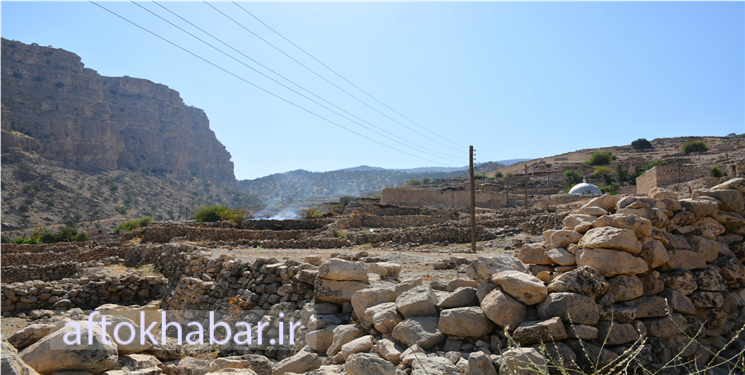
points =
(301, 184)
(56, 108)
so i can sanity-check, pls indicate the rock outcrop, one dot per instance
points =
(56, 108)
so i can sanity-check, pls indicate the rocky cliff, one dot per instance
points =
(54, 107)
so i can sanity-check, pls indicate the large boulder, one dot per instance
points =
(461, 297)
(611, 262)
(535, 331)
(186, 366)
(482, 268)
(51, 353)
(585, 280)
(611, 238)
(384, 317)
(368, 364)
(730, 199)
(678, 301)
(418, 301)
(684, 281)
(522, 361)
(533, 253)
(700, 208)
(606, 201)
(339, 269)
(11, 364)
(570, 307)
(336, 291)
(683, 260)
(320, 340)
(708, 249)
(735, 183)
(578, 222)
(614, 333)
(640, 226)
(29, 335)
(480, 364)
(654, 253)
(358, 345)
(420, 330)
(464, 322)
(299, 363)
(259, 364)
(626, 287)
(524, 287)
(502, 309)
(342, 335)
(364, 298)
(434, 366)
(562, 238)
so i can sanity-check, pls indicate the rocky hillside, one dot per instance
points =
(302, 184)
(37, 194)
(54, 107)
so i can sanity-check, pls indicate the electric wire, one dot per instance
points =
(342, 77)
(325, 79)
(257, 86)
(422, 149)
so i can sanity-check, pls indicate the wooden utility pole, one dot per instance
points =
(473, 205)
(526, 186)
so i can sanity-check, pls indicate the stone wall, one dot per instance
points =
(162, 233)
(663, 175)
(46, 272)
(390, 221)
(46, 253)
(442, 199)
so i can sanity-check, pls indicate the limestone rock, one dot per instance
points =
(626, 287)
(654, 253)
(593, 210)
(364, 298)
(579, 223)
(640, 226)
(342, 335)
(51, 353)
(570, 307)
(534, 253)
(388, 350)
(11, 364)
(482, 268)
(368, 364)
(707, 249)
(562, 238)
(666, 327)
(613, 333)
(421, 331)
(735, 183)
(343, 270)
(299, 363)
(257, 363)
(384, 317)
(358, 345)
(186, 366)
(522, 361)
(700, 208)
(561, 257)
(585, 280)
(480, 364)
(683, 281)
(434, 366)
(683, 260)
(464, 322)
(731, 199)
(29, 335)
(320, 340)
(168, 350)
(606, 201)
(525, 288)
(502, 309)
(611, 238)
(611, 262)
(678, 301)
(419, 301)
(335, 291)
(648, 307)
(461, 297)
(535, 331)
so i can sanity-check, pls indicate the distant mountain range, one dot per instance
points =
(302, 184)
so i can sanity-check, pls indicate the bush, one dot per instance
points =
(622, 174)
(654, 164)
(23, 208)
(49, 202)
(694, 146)
(67, 234)
(479, 177)
(426, 180)
(571, 178)
(134, 224)
(23, 241)
(509, 174)
(209, 214)
(611, 188)
(235, 216)
(121, 210)
(312, 212)
(715, 172)
(413, 183)
(641, 144)
(601, 158)
(599, 171)
(498, 175)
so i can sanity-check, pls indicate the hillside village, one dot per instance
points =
(643, 274)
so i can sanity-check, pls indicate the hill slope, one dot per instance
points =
(301, 184)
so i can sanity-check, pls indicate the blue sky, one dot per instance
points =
(514, 79)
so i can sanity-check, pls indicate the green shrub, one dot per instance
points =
(134, 224)
(654, 164)
(611, 188)
(426, 180)
(641, 144)
(121, 210)
(49, 202)
(601, 158)
(715, 172)
(694, 146)
(571, 178)
(599, 171)
(498, 175)
(67, 234)
(509, 174)
(235, 216)
(312, 212)
(413, 183)
(209, 214)
(23, 208)
(339, 233)
(622, 174)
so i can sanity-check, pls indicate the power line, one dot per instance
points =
(420, 148)
(257, 86)
(324, 78)
(342, 77)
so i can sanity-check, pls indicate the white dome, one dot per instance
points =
(585, 189)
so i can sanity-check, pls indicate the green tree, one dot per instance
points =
(621, 174)
(413, 183)
(654, 164)
(601, 158)
(694, 146)
(641, 144)
(571, 178)
(498, 175)
(426, 180)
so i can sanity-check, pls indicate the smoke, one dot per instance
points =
(286, 213)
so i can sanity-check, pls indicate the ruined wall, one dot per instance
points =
(663, 175)
(443, 199)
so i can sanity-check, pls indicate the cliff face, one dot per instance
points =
(88, 122)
